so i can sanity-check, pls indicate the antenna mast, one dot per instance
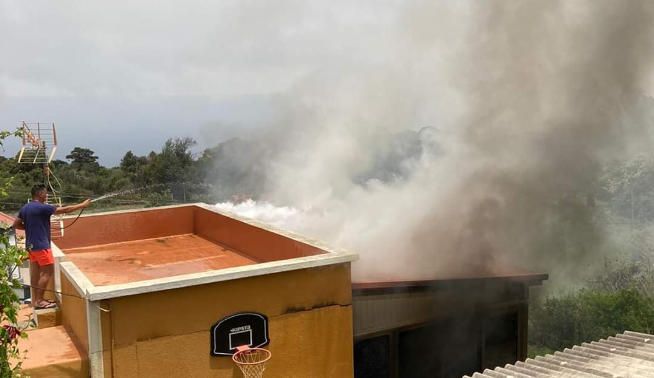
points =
(38, 147)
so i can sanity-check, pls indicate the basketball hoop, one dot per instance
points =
(251, 361)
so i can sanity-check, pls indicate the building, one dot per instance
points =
(146, 293)
(446, 327)
(141, 291)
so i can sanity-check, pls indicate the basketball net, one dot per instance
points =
(251, 361)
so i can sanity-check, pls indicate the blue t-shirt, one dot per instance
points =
(36, 218)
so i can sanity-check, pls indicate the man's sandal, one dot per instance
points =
(47, 304)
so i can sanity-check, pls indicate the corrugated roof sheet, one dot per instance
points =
(630, 354)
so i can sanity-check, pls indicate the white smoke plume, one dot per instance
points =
(277, 216)
(508, 110)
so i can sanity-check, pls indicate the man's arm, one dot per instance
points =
(18, 224)
(71, 208)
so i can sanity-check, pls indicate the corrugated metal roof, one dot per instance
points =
(630, 354)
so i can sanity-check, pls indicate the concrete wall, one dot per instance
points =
(126, 226)
(73, 314)
(167, 333)
(257, 243)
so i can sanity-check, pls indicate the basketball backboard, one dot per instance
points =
(245, 328)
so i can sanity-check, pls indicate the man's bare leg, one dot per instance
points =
(46, 273)
(35, 275)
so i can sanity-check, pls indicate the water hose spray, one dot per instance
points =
(123, 192)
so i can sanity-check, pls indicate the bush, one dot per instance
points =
(10, 257)
(585, 315)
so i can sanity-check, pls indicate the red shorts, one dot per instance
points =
(42, 257)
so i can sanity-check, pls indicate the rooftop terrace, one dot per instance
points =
(134, 251)
(139, 260)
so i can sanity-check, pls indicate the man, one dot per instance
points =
(34, 218)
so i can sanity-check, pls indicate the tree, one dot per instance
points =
(82, 158)
(174, 164)
(130, 162)
(133, 167)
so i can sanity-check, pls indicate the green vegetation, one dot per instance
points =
(620, 295)
(10, 356)
(172, 175)
(10, 258)
(559, 322)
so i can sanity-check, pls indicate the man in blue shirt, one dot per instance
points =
(34, 218)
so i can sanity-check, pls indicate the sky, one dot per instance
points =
(117, 76)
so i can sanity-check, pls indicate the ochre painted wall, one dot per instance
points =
(75, 369)
(315, 343)
(167, 333)
(107, 336)
(73, 313)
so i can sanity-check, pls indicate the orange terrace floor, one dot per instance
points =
(139, 260)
